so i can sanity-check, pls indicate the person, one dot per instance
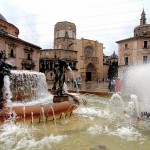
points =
(79, 81)
(117, 85)
(86, 80)
(111, 85)
(100, 80)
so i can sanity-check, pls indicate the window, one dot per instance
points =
(29, 57)
(61, 33)
(88, 52)
(145, 44)
(12, 53)
(51, 65)
(70, 34)
(145, 59)
(126, 46)
(126, 60)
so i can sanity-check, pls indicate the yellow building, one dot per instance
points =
(19, 53)
(135, 50)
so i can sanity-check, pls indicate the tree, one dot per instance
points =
(113, 70)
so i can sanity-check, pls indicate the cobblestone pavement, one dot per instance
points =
(89, 86)
(92, 86)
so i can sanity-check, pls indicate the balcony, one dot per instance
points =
(28, 64)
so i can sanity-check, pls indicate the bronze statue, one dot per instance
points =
(60, 68)
(4, 70)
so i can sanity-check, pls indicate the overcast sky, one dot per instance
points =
(106, 21)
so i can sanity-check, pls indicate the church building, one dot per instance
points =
(84, 56)
(135, 50)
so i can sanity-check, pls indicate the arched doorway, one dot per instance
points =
(91, 72)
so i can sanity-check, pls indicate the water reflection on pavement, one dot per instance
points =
(91, 86)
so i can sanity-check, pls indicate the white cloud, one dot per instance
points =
(104, 21)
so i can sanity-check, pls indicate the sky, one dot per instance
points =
(105, 21)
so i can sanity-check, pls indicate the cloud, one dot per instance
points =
(104, 21)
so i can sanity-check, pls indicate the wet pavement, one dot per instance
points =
(90, 86)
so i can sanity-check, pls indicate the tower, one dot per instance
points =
(64, 35)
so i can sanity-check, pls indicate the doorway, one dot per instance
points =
(88, 76)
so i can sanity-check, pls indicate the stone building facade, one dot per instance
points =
(64, 41)
(90, 59)
(19, 53)
(84, 56)
(135, 50)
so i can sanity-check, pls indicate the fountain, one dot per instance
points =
(93, 126)
(25, 93)
(98, 123)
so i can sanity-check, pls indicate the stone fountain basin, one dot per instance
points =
(48, 110)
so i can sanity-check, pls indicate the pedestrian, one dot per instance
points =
(100, 80)
(86, 80)
(111, 85)
(117, 85)
(79, 81)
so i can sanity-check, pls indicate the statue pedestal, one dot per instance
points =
(62, 98)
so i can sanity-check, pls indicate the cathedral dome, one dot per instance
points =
(8, 28)
(114, 56)
(142, 30)
(2, 18)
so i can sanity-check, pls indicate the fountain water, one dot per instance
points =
(54, 117)
(92, 126)
(73, 78)
(28, 85)
(32, 118)
(25, 92)
(99, 123)
(136, 83)
(24, 113)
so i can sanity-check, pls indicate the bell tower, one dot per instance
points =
(143, 18)
(64, 35)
